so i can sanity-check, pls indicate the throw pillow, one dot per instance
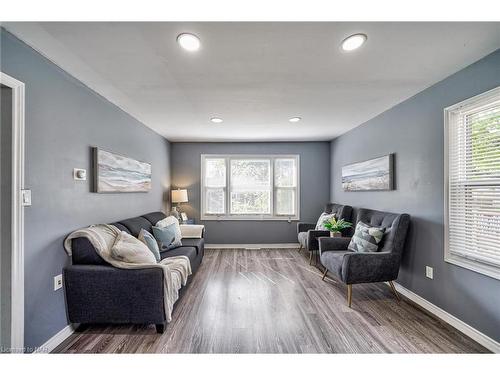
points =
(169, 220)
(129, 249)
(366, 238)
(324, 217)
(166, 237)
(150, 241)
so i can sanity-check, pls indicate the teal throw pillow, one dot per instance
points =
(165, 237)
(150, 241)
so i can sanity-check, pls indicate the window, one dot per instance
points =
(472, 172)
(250, 187)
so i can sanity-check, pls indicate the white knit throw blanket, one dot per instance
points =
(175, 269)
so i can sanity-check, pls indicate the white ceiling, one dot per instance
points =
(257, 75)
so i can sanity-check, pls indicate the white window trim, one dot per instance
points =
(239, 217)
(449, 112)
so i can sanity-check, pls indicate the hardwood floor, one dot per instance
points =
(272, 301)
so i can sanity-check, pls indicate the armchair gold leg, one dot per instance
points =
(310, 257)
(349, 294)
(324, 273)
(300, 248)
(391, 284)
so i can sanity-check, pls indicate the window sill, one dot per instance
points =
(249, 218)
(475, 266)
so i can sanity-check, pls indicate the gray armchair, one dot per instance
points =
(308, 235)
(356, 267)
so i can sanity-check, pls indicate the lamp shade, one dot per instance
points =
(179, 196)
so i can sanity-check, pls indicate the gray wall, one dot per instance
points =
(63, 120)
(5, 214)
(314, 189)
(413, 130)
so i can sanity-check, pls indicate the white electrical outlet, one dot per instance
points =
(429, 272)
(58, 282)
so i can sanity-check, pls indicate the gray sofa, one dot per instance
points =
(97, 292)
(308, 235)
(357, 267)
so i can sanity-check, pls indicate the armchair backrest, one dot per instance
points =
(341, 211)
(396, 227)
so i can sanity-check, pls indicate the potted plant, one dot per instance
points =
(335, 226)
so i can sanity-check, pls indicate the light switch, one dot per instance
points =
(26, 197)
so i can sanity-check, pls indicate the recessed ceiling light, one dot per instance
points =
(189, 42)
(353, 42)
(216, 120)
(295, 119)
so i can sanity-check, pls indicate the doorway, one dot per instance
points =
(11, 215)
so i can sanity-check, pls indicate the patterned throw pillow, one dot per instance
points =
(324, 217)
(169, 220)
(166, 237)
(366, 238)
(150, 242)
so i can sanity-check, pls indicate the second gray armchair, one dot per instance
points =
(308, 235)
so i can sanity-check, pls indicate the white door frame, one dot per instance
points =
(17, 283)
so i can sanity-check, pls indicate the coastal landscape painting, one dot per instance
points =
(115, 173)
(374, 174)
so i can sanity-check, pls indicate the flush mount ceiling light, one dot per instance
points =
(295, 119)
(189, 42)
(216, 120)
(353, 42)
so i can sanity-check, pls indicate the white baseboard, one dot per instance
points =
(253, 246)
(56, 340)
(463, 327)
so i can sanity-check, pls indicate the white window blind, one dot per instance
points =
(250, 187)
(473, 186)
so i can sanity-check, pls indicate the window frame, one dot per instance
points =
(227, 216)
(467, 106)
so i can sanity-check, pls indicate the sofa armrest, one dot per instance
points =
(370, 267)
(304, 227)
(333, 244)
(313, 236)
(106, 294)
(192, 230)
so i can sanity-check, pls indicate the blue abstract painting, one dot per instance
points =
(119, 174)
(374, 174)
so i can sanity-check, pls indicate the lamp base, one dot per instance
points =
(175, 213)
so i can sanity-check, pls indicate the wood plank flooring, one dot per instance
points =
(272, 301)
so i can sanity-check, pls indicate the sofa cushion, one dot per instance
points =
(188, 251)
(333, 260)
(122, 227)
(303, 239)
(135, 224)
(154, 217)
(197, 243)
